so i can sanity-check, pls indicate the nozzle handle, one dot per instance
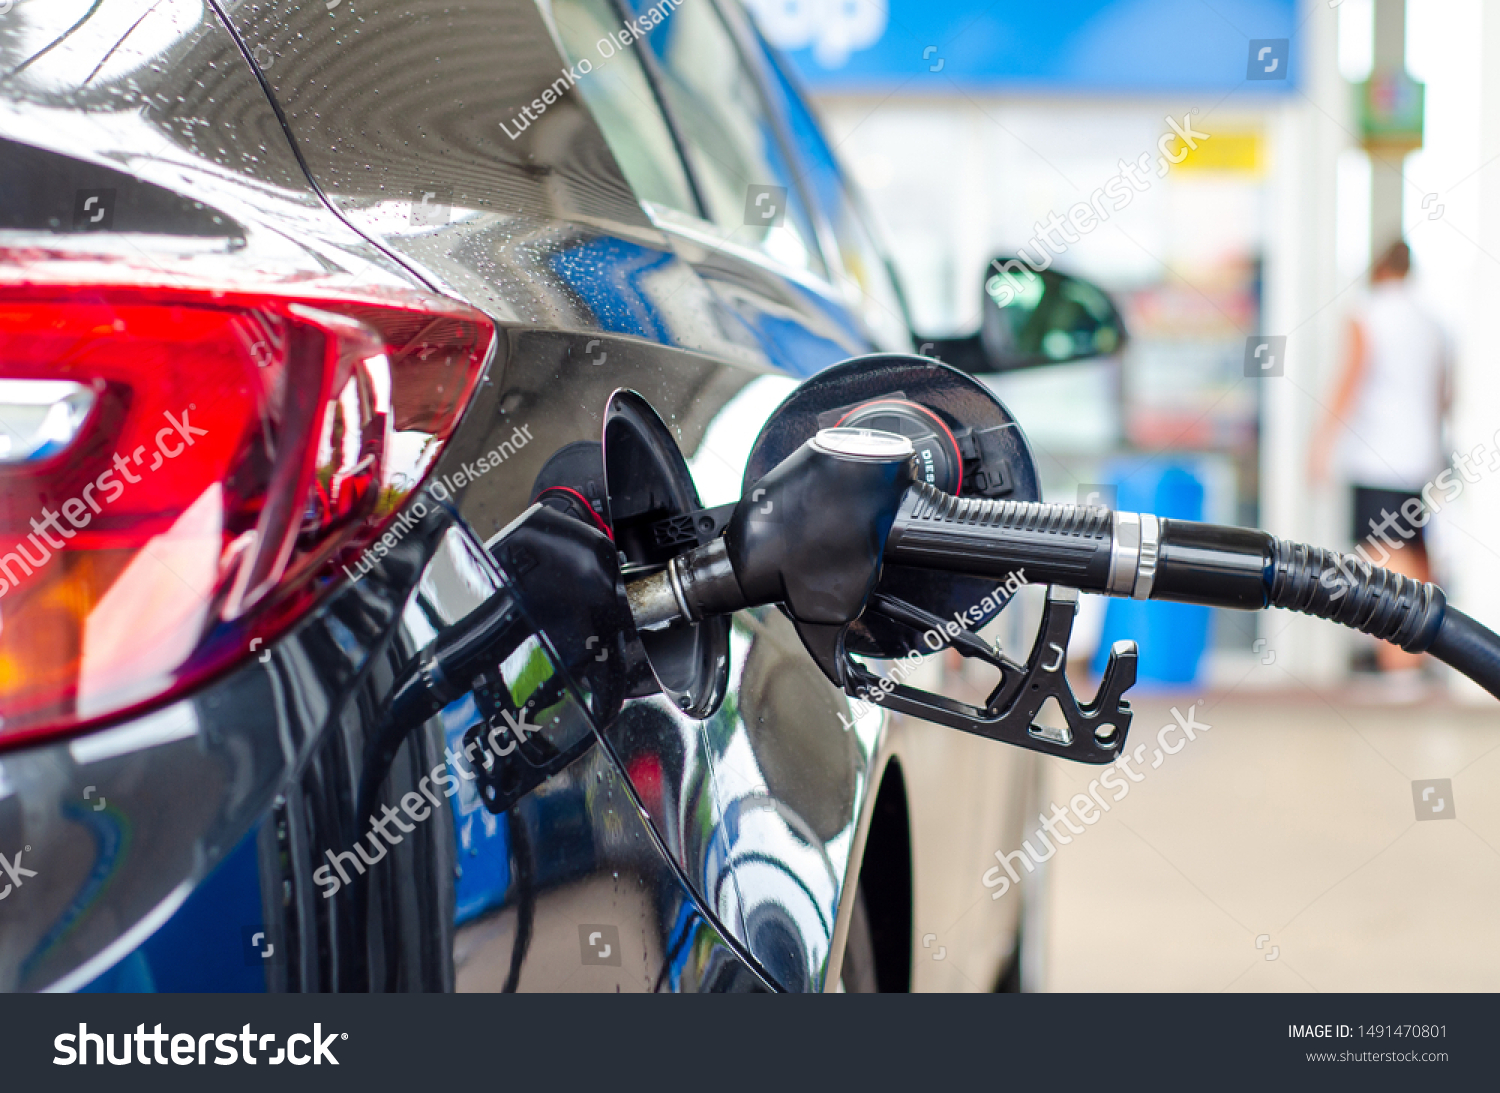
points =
(1045, 544)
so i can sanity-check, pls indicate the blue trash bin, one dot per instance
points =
(1172, 636)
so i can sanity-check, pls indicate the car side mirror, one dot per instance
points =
(1031, 317)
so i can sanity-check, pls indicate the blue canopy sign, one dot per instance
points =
(1142, 46)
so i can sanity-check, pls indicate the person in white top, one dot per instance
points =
(1385, 426)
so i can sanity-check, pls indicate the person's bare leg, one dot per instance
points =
(1409, 561)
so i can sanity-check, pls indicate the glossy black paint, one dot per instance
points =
(157, 104)
(290, 140)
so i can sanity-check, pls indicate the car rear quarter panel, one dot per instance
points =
(387, 101)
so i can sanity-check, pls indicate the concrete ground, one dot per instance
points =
(1286, 848)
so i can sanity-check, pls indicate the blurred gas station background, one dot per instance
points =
(967, 123)
(1284, 852)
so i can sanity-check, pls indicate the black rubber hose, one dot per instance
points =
(1412, 614)
(1472, 649)
(1196, 563)
(1343, 588)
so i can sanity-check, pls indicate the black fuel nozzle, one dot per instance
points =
(810, 535)
(813, 536)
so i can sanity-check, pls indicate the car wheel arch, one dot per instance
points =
(885, 881)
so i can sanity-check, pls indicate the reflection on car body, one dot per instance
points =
(270, 142)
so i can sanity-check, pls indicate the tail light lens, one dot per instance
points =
(183, 471)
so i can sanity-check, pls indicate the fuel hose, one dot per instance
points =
(1146, 557)
(816, 530)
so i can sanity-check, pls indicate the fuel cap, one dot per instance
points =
(869, 445)
(939, 462)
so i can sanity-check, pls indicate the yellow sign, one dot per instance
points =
(1242, 153)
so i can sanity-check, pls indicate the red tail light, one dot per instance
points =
(183, 471)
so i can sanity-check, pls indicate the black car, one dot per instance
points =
(312, 319)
